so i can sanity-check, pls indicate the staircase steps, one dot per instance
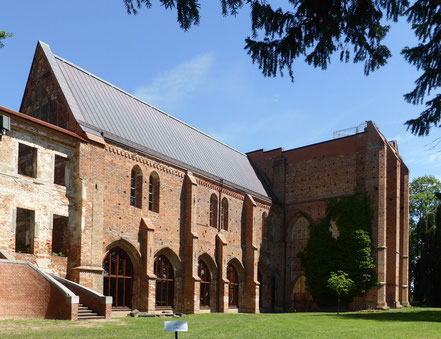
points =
(85, 313)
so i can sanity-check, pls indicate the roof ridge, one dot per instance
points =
(146, 103)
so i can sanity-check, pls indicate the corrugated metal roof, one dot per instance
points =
(102, 107)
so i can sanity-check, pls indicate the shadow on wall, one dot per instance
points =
(415, 314)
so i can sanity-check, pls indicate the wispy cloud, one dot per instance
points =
(171, 87)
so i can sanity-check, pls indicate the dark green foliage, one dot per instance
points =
(4, 35)
(423, 201)
(317, 29)
(351, 252)
(425, 17)
(427, 271)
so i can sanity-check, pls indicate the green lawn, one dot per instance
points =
(406, 323)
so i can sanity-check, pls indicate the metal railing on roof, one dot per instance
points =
(350, 131)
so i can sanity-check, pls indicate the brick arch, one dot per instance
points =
(173, 257)
(136, 262)
(297, 238)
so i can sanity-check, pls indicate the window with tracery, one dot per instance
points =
(233, 286)
(165, 282)
(204, 274)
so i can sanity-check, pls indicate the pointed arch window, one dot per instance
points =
(118, 277)
(136, 187)
(264, 226)
(224, 214)
(213, 210)
(233, 286)
(165, 279)
(204, 274)
(154, 192)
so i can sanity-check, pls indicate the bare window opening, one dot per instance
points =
(60, 236)
(27, 160)
(136, 187)
(60, 170)
(24, 231)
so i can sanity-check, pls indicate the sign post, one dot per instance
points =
(175, 326)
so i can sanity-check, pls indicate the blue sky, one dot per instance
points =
(205, 78)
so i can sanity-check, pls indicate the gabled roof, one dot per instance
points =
(103, 109)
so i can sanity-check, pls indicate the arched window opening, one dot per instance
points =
(165, 279)
(264, 226)
(136, 187)
(154, 192)
(204, 274)
(224, 214)
(233, 286)
(118, 277)
(260, 280)
(213, 210)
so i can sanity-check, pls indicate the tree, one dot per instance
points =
(339, 284)
(4, 35)
(422, 201)
(340, 241)
(427, 270)
(317, 29)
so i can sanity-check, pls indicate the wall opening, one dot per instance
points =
(24, 231)
(60, 170)
(27, 160)
(60, 244)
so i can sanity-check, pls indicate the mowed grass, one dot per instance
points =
(406, 323)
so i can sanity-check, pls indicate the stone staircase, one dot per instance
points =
(85, 313)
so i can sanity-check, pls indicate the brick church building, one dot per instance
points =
(104, 190)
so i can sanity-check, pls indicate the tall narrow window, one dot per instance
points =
(205, 276)
(154, 192)
(27, 160)
(60, 235)
(224, 214)
(213, 210)
(60, 170)
(118, 278)
(24, 231)
(264, 226)
(165, 276)
(233, 286)
(136, 187)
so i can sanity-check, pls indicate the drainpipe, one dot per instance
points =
(220, 205)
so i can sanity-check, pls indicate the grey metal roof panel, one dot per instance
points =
(97, 104)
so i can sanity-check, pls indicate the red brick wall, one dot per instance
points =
(26, 294)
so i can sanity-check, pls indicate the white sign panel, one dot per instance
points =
(176, 326)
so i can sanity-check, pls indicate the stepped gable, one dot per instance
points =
(103, 109)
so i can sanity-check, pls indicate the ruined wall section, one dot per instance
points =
(38, 194)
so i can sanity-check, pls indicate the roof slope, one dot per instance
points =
(103, 109)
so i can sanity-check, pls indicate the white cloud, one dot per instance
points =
(171, 87)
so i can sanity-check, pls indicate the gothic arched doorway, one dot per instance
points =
(118, 278)
(302, 298)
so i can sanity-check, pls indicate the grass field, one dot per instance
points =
(406, 323)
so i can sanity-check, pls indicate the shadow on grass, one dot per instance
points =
(410, 316)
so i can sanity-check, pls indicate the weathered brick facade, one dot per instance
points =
(259, 237)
